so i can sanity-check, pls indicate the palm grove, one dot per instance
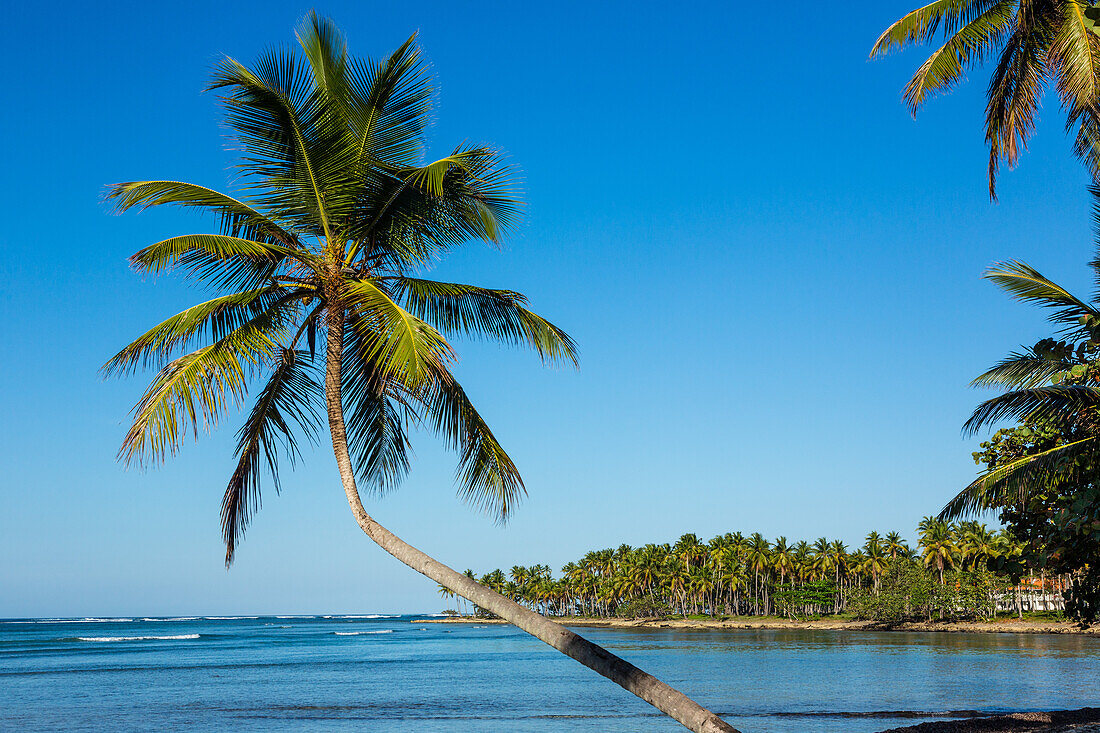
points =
(950, 574)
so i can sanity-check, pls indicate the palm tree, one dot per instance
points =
(874, 561)
(938, 540)
(1055, 382)
(1036, 43)
(783, 559)
(895, 546)
(340, 214)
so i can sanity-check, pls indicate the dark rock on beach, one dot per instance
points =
(1085, 720)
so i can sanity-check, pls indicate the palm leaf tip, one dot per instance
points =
(287, 402)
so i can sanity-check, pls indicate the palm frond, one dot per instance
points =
(376, 433)
(488, 479)
(326, 52)
(220, 260)
(288, 401)
(1054, 403)
(1025, 369)
(941, 71)
(297, 152)
(1025, 283)
(404, 347)
(920, 25)
(1017, 482)
(213, 319)
(197, 387)
(1086, 144)
(1094, 263)
(388, 106)
(498, 314)
(1015, 90)
(1075, 53)
(235, 218)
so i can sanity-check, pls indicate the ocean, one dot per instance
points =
(377, 672)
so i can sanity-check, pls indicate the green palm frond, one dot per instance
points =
(1094, 263)
(921, 25)
(472, 311)
(199, 386)
(194, 387)
(1026, 284)
(389, 104)
(297, 152)
(235, 218)
(326, 54)
(428, 210)
(404, 347)
(1015, 90)
(1075, 53)
(213, 319)
(373, 410)
(488, 479)
(1054, 403)
(289, 400)
(221, 261)
(1016, 482)
(1025, 369)
(941, 71)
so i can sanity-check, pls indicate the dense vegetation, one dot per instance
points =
(950, 574)
(1043, 475)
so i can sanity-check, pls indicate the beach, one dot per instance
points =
(1001, 626)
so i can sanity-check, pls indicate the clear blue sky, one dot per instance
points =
(771, 269)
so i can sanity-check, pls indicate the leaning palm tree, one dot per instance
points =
(1055, 383)
(1036, 43)
(321, 310)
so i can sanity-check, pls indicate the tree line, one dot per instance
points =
(961, 569)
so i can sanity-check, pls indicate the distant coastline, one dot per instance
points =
(1006, 626)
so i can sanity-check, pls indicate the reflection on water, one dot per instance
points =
(339, 673)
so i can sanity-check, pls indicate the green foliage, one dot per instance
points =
(809, 599)
(959, 571)
(644, 607)
(1035, 45)
(1043, 474)
(337, 215)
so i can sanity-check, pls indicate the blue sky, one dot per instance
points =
(772, 270)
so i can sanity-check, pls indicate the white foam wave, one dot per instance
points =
(174, 637)
(362, 615)
(88, 620)
(360, 633)
(173, 618)
(228, 618)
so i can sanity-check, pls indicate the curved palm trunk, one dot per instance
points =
(669, 701)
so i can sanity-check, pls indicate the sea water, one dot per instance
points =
(377, 672)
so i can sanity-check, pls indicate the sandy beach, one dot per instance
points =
(1003, 626)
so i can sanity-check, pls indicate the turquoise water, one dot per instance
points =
(383, 673)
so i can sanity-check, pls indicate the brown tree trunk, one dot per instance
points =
(669, 701)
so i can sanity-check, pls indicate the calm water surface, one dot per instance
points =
(383, 673)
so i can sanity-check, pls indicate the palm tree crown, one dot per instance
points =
(336, 215)
(1054, 383)
(1035, 44)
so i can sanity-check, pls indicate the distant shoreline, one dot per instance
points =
(1006, 626)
